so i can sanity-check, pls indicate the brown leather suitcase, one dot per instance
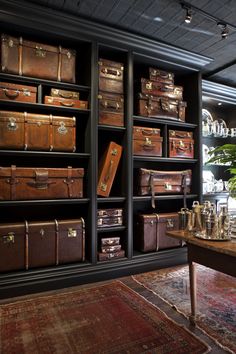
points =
(23, 183)
(108, 165)
(151, 231)
(30, 131)
(110, 76)
(161, 76)
(110, 249)
(161, 107)
(28, 58)
(66, 102)
(38, 244)
(181, 144)
(16, 92)
(147, 141)
(160, 89)
(109, 217)
(110, 255)
(64, 93)
(110, 241)
(111, 109)
(151, 182)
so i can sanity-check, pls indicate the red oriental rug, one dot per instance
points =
(216, 299)
(109, 318)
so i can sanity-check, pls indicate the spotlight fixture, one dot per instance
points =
(224, 30)
(188, 16)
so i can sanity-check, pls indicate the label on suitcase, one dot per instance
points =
(147, 141)
(160, 89)
(110, 76)
(161, 76)
(64, 93)
(181, 144)
(108, 165)
(30, 131)
(110, 255)
(27, 58)
(66, 102)
(151, 231)
(111, 109)
(18, 93)
(160, 107)
(24, 183)
(110, 241)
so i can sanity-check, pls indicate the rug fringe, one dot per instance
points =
(177, 310)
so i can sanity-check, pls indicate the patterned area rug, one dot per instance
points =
(216, 299)
(109, 318)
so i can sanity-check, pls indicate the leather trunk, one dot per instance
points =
(24, 183)
(108, 165)
(181, 144)
(147, 141)
(30, 131)
(65, 102)
(111, 109)
(17, 92)
(38, 244)
(151, 182)
(151, 231)
(161, 76)
(110, 241)
(110, 76)
(161, 89)
(54, 92)
(110, 255)
(161, 107)
(28, 58)
(109, 217)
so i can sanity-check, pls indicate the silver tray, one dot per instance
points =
(203, 237)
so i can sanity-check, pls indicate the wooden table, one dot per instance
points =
(218, 255)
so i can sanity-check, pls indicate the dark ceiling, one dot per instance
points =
(163, 20)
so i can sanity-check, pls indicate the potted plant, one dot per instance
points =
(226, 155)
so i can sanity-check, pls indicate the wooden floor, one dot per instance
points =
(154, 299)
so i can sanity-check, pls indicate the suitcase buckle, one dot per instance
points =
(11, 125)
(103, 187)
(169, 224)
(62, 129)
(168, 186)
(71, 232)
(39, 52)
(9, 238)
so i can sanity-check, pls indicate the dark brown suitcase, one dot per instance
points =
(30, 131)
(181, 144)
(108, 165)
(161, 76)
(110, 255)
(160, 89)
(151, 231)
(27, 58)
(110, 249)
(65, 102)
(110, 241)
(23, 183)
(151, 182)
(147, 141)
(161, 107)
(64, 93)
(12, 247)
(18, 93)
(110, 76)
(111, 109)
(109, 217)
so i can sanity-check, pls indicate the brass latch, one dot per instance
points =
(9, 238)
(169, 224)
(40, 52)
(71, 232)
(168, 186)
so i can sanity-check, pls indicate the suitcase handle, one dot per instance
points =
(166, 107)
(11, 94)
(109, 104)
(71, 104)
(180, 135)
(111, 72)
(63, 95)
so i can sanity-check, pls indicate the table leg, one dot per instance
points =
(193, 291)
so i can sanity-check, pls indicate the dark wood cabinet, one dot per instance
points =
(92, 42)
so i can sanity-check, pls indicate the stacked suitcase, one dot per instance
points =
(160, 98)
(111, 93)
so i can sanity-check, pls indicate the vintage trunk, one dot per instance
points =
(12, 247)
(16, 92)
(151, 182)
(108, 165)
(160, 89)
(65, 102)
(110, 76)
(181, 144)
(110, 241)
(30, 131)
(151, 231)
(161, 76)
(160, 107)
(23, 183)
(27, 58)
(54, 92)
(111, 109)
(110, 255)
(147, 141)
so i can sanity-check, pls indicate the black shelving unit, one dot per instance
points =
(91, 42)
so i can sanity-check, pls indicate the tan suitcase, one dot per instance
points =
(18, 93)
